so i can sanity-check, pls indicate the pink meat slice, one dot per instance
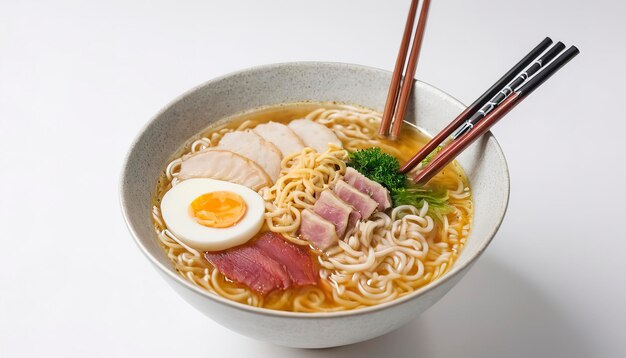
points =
(318, 231)
(373, 189)
(296, 260)
(360, 201)
(337, 211)
(353, 219)
(248, 265)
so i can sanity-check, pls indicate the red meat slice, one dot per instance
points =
(296, 259)
(267, 264)
(249, 266)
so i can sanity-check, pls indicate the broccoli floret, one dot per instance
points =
(378, 166)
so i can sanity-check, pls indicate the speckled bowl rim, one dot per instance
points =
(299, 315)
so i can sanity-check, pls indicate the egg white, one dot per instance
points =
(175, 212)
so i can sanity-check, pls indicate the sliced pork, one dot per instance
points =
(360, 201)
(281, 136)
(224, 165)
(373, 189)
(255, 148)
(318, 231)
(248, 265)
(295, 259)
(341, 215)
(269, 263)
(314, 135)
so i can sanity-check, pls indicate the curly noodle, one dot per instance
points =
(383, 258)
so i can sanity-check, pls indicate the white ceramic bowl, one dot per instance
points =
(430, 109)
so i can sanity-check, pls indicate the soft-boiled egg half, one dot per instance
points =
(212, 215)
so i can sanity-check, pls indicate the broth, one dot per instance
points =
(449, 233)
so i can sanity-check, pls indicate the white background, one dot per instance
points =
(79, 79)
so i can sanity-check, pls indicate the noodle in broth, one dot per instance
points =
(388, 256)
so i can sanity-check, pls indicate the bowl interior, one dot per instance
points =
(430, 109)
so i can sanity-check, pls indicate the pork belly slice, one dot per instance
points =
(252, 146)
(248, 265)
(373, 189)
(360, 201)
(318, 231)
(314, 135)
(335, 210)
(296, 260)
(281, 136)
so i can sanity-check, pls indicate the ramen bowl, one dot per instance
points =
(430, 109)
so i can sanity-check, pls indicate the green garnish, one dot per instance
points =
(431, 156)
(437, 199)
(384, 169)
(378, 166)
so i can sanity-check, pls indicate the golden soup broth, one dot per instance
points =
(450, 235)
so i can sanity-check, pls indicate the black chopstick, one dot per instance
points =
(478, 103)
(550, 70)
(509, 88)
(448, 153)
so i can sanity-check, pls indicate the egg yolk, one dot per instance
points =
(218, 209)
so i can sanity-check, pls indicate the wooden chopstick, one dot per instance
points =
(394, 86)
(448, 153)
(478, 103)
(409, 76)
